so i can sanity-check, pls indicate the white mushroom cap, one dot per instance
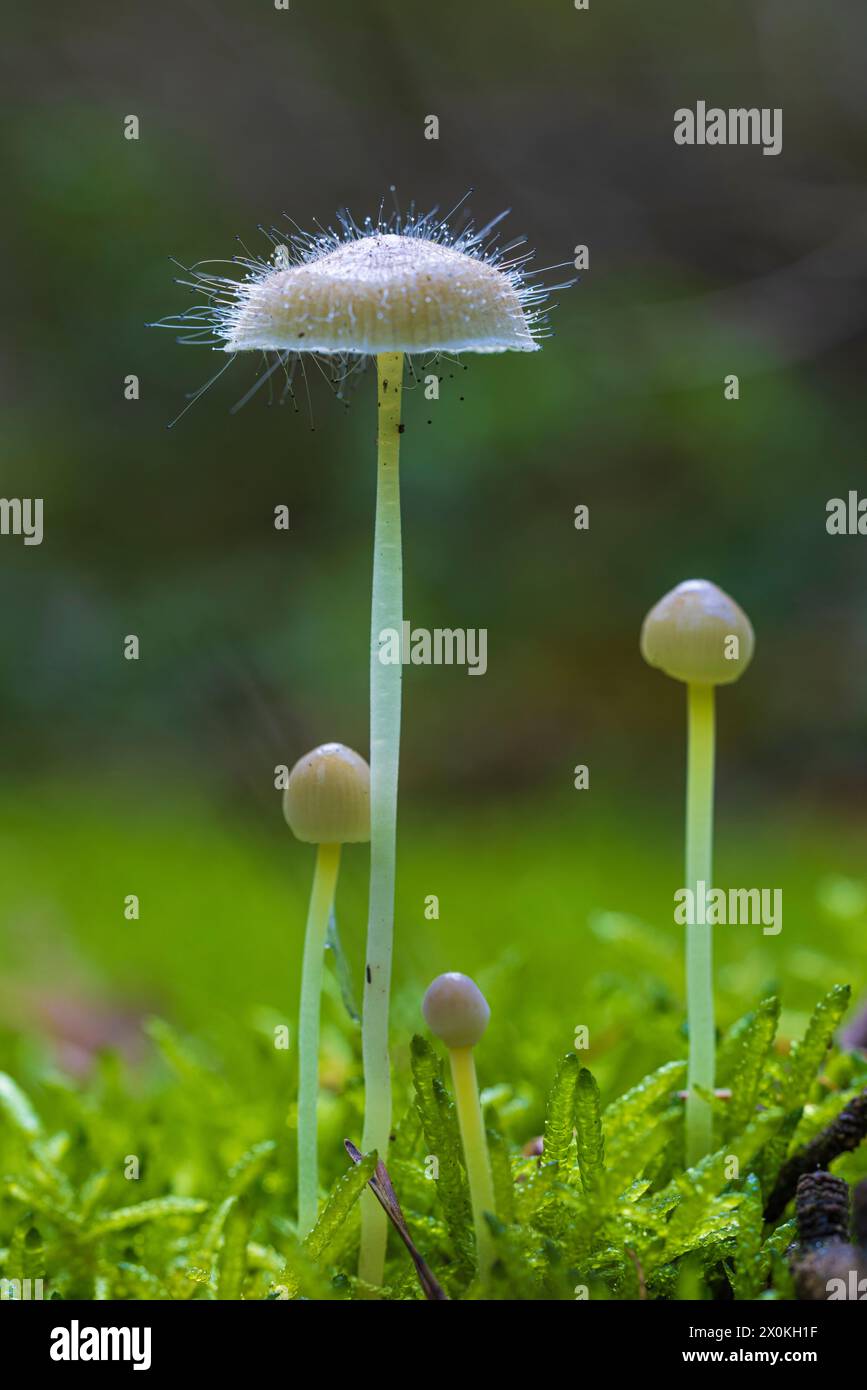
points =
(384, 292)
(688, 635)
(327, 797)
(456, 1010)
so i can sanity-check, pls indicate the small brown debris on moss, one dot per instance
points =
(842, 1135)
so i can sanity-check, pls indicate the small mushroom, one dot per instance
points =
(327, 797)
(698, 635)
(326, 803)
(457, 1012)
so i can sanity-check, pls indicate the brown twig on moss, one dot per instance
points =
(824, 1263)
(822, 1206)
(380, 1185)
(842, 1135)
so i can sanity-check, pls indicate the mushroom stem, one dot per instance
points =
(321, 901)
(699, 869)
(385, 684)
(475, 1152)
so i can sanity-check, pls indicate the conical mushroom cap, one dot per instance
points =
(382, 293)
(327, 797)
(689, 633)
(456, 1010)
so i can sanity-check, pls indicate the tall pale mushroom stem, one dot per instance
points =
(321, 902)
(385, 684)
(476, 1157)
(699, 869)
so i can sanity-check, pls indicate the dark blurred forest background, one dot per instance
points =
(703, 262)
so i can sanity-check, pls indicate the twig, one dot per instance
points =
(380, 1184)
(841, 1136)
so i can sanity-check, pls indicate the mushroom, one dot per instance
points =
(457, 1012)
(326, 803)
(697, 634)
(396, 286)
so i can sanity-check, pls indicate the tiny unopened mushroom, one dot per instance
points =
(326, 803)
(457, 1012)
(698, 635)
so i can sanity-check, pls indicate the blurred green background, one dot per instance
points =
(156, 777)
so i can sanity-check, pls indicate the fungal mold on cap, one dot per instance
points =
(327, 797)
(697, 634)
(382, 293)
(402, 284)
(456, 1010)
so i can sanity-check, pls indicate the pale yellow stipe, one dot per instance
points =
(321, 901)
(476, 1156)
(385, 688)
(699, 936)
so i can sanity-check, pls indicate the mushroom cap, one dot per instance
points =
(383, 292)
(327, 797)
(456, 1010)
(687, 635)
